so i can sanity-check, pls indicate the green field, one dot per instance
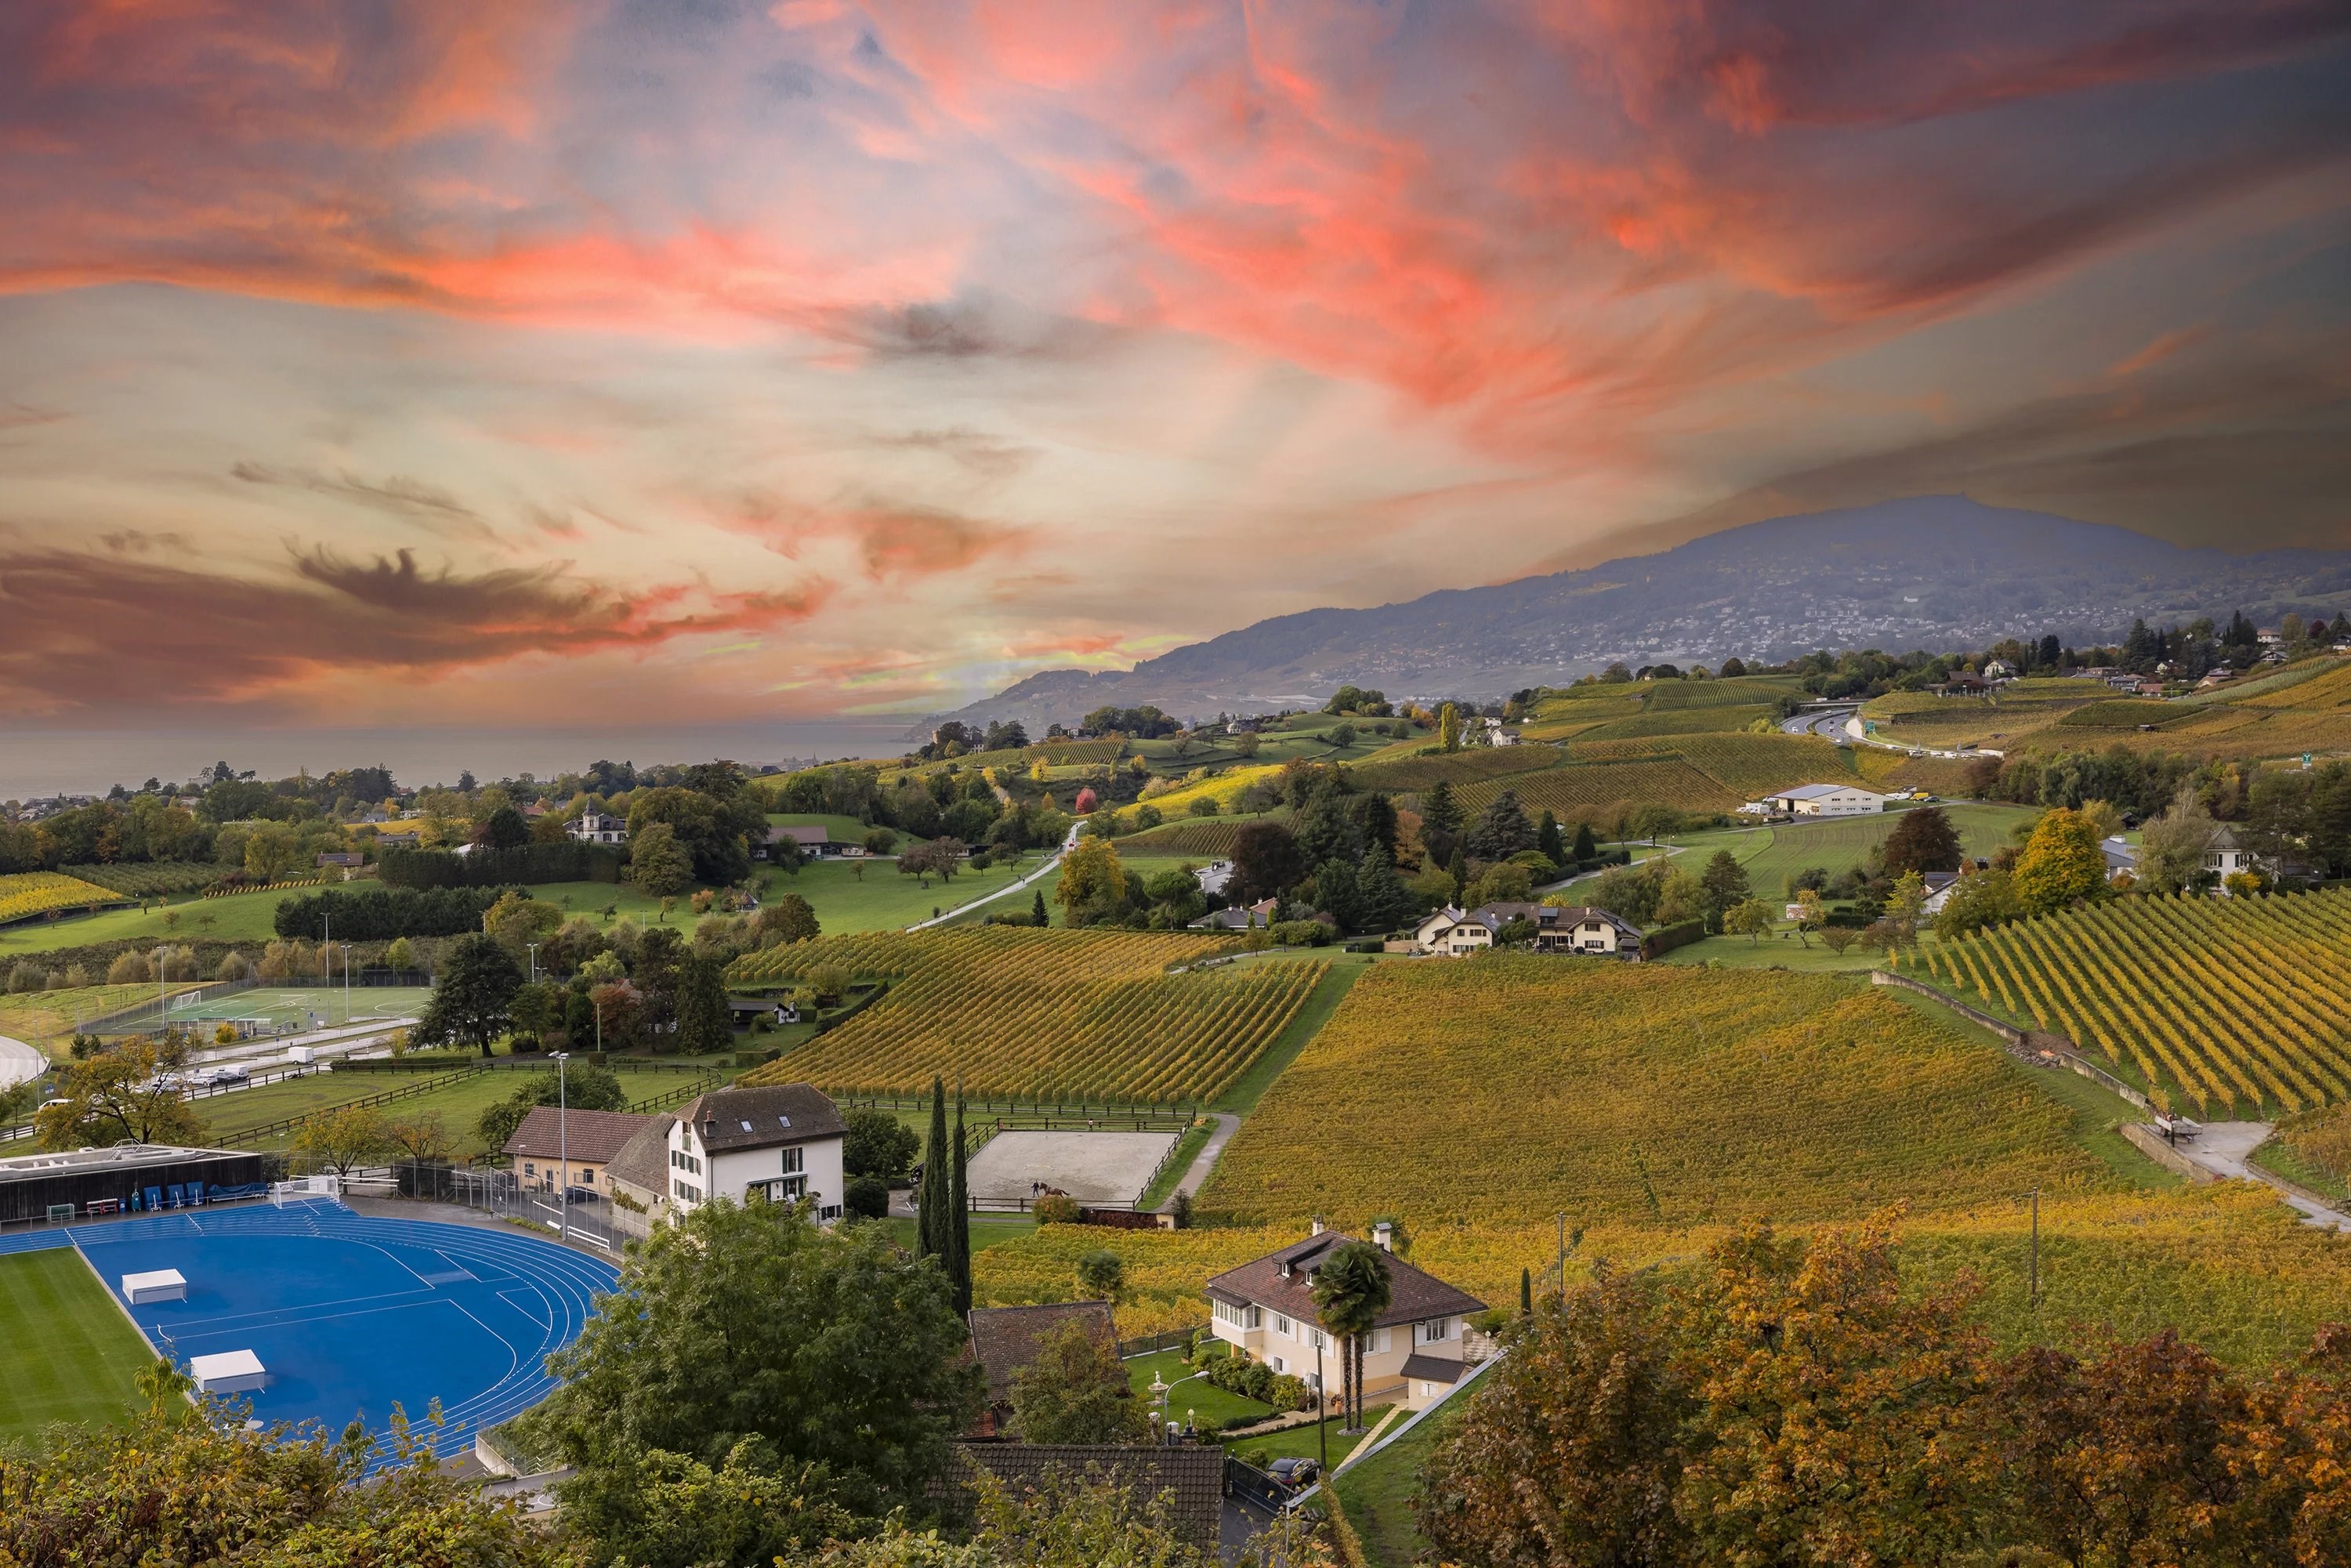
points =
(233, 917)
(1210, 1407)
(1377, 1494)
(842, 829)
(1773, 854)
(458, 1104)
(67, 1353)
(847, 895)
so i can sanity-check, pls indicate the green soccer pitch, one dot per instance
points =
(67, 1353)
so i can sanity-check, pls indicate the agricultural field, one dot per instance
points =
(233, 916)
(1892, 771)
(840, 828)
(67, 1353)
(458, 1104)
(1642, 1095)
(2016, 710)
(1713, 772)
(1223, 788)
(146, 880)
(1197, 839)
(1415, 765)
(1773, 854)
(1038, 1014)
(2235, 1006)
(27, 896)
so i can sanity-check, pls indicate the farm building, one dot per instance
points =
(1823, 801)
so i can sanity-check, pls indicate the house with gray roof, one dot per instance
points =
(776, 1141)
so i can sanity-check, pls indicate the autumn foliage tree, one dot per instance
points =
(1801, 1403)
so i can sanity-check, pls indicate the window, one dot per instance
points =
(1433, 1332)
(1379, 1342)
(587, 1176)
(793, 1161)
(1316, 1335)
(686, 1191)
(1281, 1326)
(1280, 1365)
(529, 1168)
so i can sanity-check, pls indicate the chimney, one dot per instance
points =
(1317, 1228)
(1384, 1236)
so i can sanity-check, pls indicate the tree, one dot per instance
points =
(1037, 913)
(1448, 727)
(423, 1138)
(1266, 863)
(1922, 839)
(1092, 884)
(1752, 919)
(517, 921)
(1351, 1289)
(468, 1007)
(170, 1482)
(1906, 906)
(1724, 882)
(786, 920)
(110, 1097)
(344, 1138)
(659, 864)
(1502, 830)
(2172, 847)
(932, 1198)
(1383, 903)
(827, 1362)
(401, 955)
(504, 829)
(876, 1143)
(2062, 863)
(1550, 840)
(1100, 1275)
(1811, 914)
(1978, 900)
(1076, 1390)
(941, 858)
(1586, 848)
(1439, 811)
(958, 1252)
(704, 1022)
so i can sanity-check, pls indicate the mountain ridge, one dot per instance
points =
(1933, 571)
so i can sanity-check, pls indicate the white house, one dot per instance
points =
(780, 1141)
(2224, 857)
(1455, 932)
(1214, 877)
(1265, 1310)
(1939, 890)
(1825, 800)
(596, 828)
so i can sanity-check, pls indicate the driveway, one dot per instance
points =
(2226, 1148)
(1008, 889)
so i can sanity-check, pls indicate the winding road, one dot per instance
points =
(19, 1063)
(960, 910)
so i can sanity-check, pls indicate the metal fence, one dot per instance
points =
(502, 1194)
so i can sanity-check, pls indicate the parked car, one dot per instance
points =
(1293, 1471)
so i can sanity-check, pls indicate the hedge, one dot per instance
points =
(500, 868)
(1666, 938)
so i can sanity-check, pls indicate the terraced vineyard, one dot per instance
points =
(1202, 838)
(2240, 1004)
(1038, 1014)
(1638, 1095)
(25, 894)
(1417, 768)
(1711, 771)
(1581, 788)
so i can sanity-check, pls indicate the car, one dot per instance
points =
(1295, 1470)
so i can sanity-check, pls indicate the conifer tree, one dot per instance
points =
(1548, 839)
(958, 1229)
(1587, 848)
(1037, 915)
(930, 1210)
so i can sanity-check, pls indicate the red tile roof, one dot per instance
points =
(1414, 1295)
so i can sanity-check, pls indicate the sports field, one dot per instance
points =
(349, 1316)
(283, 1010)
(67, 1353)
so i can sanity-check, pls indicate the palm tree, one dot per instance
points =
(1351, 1291)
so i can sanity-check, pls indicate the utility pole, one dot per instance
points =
(2036, 1248)
(1321, 1415)
(534, 961)
(1563, 1260)
(562, 1149)
(347, 982)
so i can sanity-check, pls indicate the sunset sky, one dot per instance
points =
(479, 361)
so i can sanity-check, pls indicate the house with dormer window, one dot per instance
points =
(781, 1141)
(1266, 1309)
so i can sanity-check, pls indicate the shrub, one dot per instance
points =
(1100, 1274)
(26, 976)
(1300, 934)
(128, 969)
(1057, 1210)
(867, 1197)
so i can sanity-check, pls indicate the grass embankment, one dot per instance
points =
(1376, 1495)
(67, 1353)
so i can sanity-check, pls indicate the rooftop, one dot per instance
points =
(120, 1156)
(1006, 1339)
(586, 1137)
(1414, 1295)
(758, 1117)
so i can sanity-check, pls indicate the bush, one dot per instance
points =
(1057, 1210)
(1256, 1380)
(868, 1198)
(1666, 938)
(128, 969)
(1301, 933)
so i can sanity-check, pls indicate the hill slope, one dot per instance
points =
(1929, 571)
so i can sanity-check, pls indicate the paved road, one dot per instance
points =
(1008, 889)
(19, 1061)
(2225, 1148)
(1205, 1160)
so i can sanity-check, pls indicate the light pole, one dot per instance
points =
(534, 961)
(562, 1150)
(347, 982)
(1321, 1415)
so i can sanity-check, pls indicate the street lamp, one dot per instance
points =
(534, 961)
(347, 983)
(562, 1150)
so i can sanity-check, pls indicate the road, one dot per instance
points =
(2225, 1148)
(1845, 726)
(1205, 1160)
(960, 910)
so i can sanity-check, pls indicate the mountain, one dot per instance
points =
(1930, 571)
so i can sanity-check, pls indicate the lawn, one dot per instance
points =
(233, 917)
(67, 1353)
(458, 1104)
(847, 895)
(1377, 1494)
(1210, 1408)
(1773, 854)
(985, 1232)
(1302, 1442)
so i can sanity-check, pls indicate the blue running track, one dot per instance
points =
(352, 1316)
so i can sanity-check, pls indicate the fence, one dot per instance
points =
(248, 1137)
(1151, 1345)
(1039, 1113)
(526, 1063)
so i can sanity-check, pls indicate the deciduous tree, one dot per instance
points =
(1076, 1390)
(468, 1006)
(2061, 864)
(1923, 840)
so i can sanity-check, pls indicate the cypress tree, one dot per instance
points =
(1548, 839)
(1587, 848)
(1526, 1292)
(1037, 915)
(958, 1219)
(931, 1206)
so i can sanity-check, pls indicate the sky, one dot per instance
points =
(580, 363)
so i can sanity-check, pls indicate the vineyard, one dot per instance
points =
(146, 880)
(25, 894)
(1708, 772)
(1640, 1095)
(2237, 1003)
(1196, 838)
(1417, 767)
(1580, 787)
(1037, 1014)
(1223, 788)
